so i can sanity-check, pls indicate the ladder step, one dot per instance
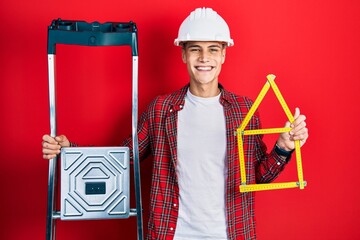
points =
(133, 212)
(56, 215)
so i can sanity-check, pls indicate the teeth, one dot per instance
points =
(204, 68)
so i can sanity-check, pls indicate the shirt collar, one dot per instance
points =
(178, 98)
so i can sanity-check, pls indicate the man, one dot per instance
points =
(190, 133)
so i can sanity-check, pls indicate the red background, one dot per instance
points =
(311, 46)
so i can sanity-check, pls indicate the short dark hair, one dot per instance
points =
(183, 45)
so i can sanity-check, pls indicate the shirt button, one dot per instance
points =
(171, 229)
(181, 106)
(278, 163)
(175, 205)
(171, 110)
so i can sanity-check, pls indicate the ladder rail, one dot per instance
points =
(50, 224)
(136, 147)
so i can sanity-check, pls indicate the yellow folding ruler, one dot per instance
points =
(241, 132)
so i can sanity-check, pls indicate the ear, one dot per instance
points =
(183, 55)
(223, 55)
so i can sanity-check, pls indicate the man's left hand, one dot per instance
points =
(298, 131)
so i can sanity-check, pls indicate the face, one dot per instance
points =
(204, 60)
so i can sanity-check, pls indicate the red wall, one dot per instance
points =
(312, 47)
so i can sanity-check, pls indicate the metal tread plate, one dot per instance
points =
(95, 183)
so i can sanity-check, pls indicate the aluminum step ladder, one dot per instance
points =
(93, 34)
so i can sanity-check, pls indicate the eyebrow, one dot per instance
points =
(211, 46)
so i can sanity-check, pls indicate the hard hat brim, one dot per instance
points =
(229, 42)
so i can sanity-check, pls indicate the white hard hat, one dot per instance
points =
(204, 24)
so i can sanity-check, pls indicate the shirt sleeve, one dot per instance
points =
(143, 138)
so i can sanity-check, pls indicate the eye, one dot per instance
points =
(214, 50)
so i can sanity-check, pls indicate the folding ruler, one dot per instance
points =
(91, 182)
(241, 132)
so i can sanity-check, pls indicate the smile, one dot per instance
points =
(204, 68)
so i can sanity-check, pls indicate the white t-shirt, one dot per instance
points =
(201, 169)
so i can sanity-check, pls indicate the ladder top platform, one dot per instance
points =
(92, 34)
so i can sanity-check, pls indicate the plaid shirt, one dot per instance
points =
(157, 134)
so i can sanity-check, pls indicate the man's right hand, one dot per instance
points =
(51, 145)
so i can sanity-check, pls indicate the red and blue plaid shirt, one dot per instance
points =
(157, 134)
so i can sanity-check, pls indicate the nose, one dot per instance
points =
(204, 56)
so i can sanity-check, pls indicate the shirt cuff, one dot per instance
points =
(283, 153)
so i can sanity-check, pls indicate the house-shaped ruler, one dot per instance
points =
(241, 132)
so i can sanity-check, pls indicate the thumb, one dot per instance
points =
(297, 113)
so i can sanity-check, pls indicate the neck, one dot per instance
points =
(204, 90)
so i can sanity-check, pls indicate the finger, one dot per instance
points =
(49, 139)
(300, 129)
(298, 124)
(301, 135)
(49, 156)
(51, 146)
(50, 151)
